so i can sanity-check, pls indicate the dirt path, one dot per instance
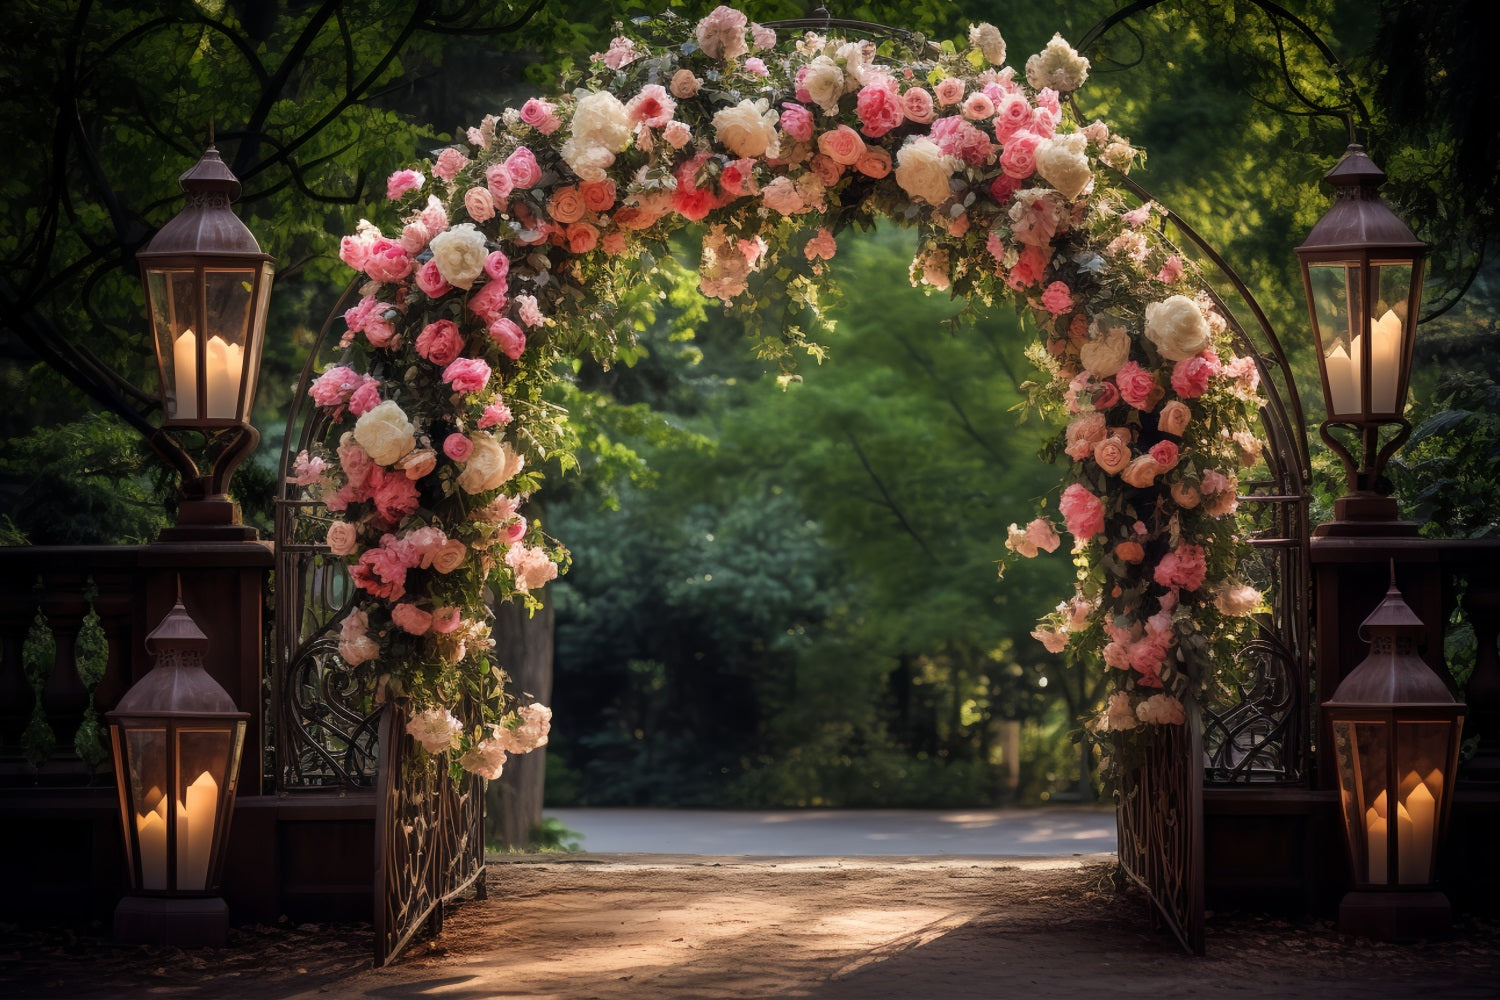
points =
(697, 928)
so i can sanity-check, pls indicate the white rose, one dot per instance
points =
(486, 759)
(1236, 599)
(357, 649)
(491, 464)
(856, 65)
(1057, 66)
(1176, 327)
(986, 38)
(923, 171)
(385, 434)
(1062, 163)
(601, 120)
(1118, 714)
(459, 254)
(1106, 354)
(824, 83)
(748, 129)
(1161, 710)
(434, 728)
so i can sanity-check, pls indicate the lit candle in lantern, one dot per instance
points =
(1421, 806)
(1375, 838)
(1343, 378)
(1385, 362)
(151, 836)
(195, 831)
(185, 368)
(224, 362)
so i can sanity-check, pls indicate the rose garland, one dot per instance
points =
(517, 246)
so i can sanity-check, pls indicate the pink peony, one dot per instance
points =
(412, 619)
(467, 374)
(402, 181)
(1082, 512)
(1190, 376)
(393, 494)
(508, 337)
(495, 415)
(1018, 159)
(1183, 567)
(1137, 386)
(721, 35)
(879, 108)
(797, 122)
(440, 342)
(1057, 299)
(523, 169)
(1041, 534)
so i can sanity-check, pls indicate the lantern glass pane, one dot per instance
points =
(147, 754)
(228, 297)
(202, 768)
(1422, 757)
(174, 306)
(1390, 285)
(256, 331)
(1335, 300)
(1363, 750)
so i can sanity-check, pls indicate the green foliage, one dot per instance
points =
(1448, 472)
(86, 481)
(90, 659)
(38, 659)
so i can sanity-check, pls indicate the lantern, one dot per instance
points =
(1396, 730)
(1362, 273)
(207, 286)
(177, 738)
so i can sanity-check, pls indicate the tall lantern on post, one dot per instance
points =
(1396, 731)
(177, 739)
(207, 289)
(1362, 272)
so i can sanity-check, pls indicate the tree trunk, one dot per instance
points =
(523, 649)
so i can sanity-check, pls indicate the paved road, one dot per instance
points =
(1046, 831)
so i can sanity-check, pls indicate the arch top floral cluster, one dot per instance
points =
(514, 248)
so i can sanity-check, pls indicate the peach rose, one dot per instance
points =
(1174, 418)
(343, 538)
(1113, 455)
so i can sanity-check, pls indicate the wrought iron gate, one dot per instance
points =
(332, 733)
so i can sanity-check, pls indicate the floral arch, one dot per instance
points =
(509, 252)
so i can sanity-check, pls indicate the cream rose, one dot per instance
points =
(1104, 356)
(357, 649)
(923, 171)
(1058, 66)
(491, 464)
(824, 83)
(1236, 599)
(459, 254)
(600, 128)
(1062, 163)
(343, 538)
(1177, 327)
(385, 434)
(986, 38)
(748, 129)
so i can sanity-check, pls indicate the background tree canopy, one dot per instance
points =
(784, 590)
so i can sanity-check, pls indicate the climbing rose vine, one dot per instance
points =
(515, 249)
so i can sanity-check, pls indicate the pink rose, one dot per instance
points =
(1166, 455)
(488, 302)
(1137, 386)
(874, 162)
(1112, 454)
(1174, 418)
(458, 447)
(354, 461)
(343, 538)
(430, 280)
(449, 556)
(653, 107)
(1057, 299)
(495, 415)
(401, 182)
(440, 342)
(978, 106)
(677, 134)
(1183, 567)
(1012, 114)
(527, 310)
(497, 178)
(539, 114)
(449, 162)
(480, 204)
(879, 108)
(1190, 376)
(916, 103)
(1082, 512)
(365, 398)
(1083, 434)
(842, 145)
(523, 168)
(411, 618)
(1018, 159)
(1041, 534)
(508, 337)
(497, 265)
(394, 496)
(949, 90)
(445, 620)
(387, 261)
(467, 374)
(797, 122)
